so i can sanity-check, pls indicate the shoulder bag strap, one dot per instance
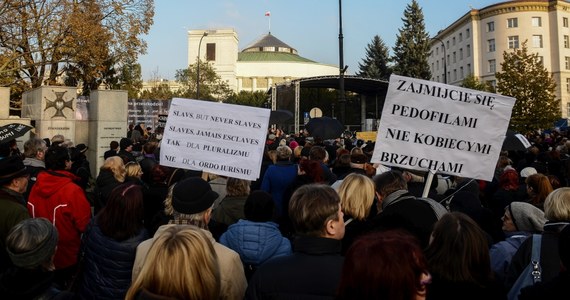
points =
(535, 257)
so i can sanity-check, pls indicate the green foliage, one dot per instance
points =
(87, 40)
(248, 98)
(212, 87)
(375, 64)
(472, 82)
(130, 79)
(525, 78)
(412, 50)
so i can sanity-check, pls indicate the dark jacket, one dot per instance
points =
(276, 180)
(311, 272)
(28, 284)
(549, 256)
(12, 212)
(556, 289)
(441, 289)
(402, 210)
(107, 264)
(106, 182)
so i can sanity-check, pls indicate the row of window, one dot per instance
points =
(461, 73)
(513, 42)
(514, 23)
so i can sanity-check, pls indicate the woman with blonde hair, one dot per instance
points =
(111, 174)
(356, 202)
(181, 264)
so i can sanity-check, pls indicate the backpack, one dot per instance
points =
(532, 273)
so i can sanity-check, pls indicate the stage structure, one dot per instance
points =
(371, 94)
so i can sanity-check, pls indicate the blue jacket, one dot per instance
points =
(107, 264)
(256, 242)
(502, 253)
(276, 180)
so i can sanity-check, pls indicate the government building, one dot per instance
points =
(474, 43)
(257, 67)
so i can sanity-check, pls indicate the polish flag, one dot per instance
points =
(267, 13)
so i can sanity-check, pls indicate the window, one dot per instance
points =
(467, 33)
(536, 22)
(567, 62)
(565, 22)
(490, 26)
(211, 52)
(454, 57)
(568, 109)
(537, 41)
(491, 45)
(468, 68)
(454, 74)
(512, 22)
(461, 54)
(492, 66)
(437, 65)
(468, 50)
(447, 44)
(432, 66)
(453, 41)
(460, 37)
(568, 85)
(437, 79)
(461, 73)
(566, 42)
(436, 50)
(513, 42)
(448, 59)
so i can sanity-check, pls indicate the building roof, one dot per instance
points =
(271, 56)
(266, 41)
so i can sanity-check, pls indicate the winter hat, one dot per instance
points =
(259, 206)
(81, 148)
(293, 145)
(11, 167)
(526, 172)
(192, 195)
(271, 136)
(526, 216)
(358, 158)
(125, 142)
(39, 251)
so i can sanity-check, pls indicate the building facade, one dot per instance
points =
(474, 44)
(257, 67)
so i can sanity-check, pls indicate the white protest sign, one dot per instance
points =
(447, 129)
(218, 138)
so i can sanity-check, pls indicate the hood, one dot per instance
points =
(255, 242)
(49, 182)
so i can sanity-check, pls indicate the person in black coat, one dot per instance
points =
(400, 209)
(314, 269)
(557, 288)
(557, 212)
(109, 245)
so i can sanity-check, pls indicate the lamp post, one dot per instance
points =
(444, 60)
(198, 67)
(342, 68)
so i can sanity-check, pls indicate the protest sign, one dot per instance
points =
(443, 128)
(222, 139)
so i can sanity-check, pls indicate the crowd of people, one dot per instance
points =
(321, 222)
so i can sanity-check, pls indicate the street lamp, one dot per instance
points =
(198, 67)
(342, 68)
(444, 60)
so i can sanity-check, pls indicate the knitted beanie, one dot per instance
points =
(527, 217)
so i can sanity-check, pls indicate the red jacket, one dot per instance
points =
(57, 198)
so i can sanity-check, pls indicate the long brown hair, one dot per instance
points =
(122, 216)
